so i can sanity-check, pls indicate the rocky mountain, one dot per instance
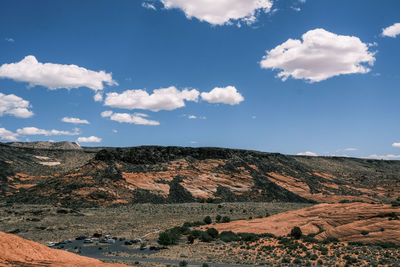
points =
(105, 176)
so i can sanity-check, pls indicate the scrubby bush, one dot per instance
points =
(170, 236)
(190, 239)
(310, 239)
(183, 264)
(165, 239)
(296, 232)
(363, 232)
(228, 236)
(329, 240)
(212, 232)
(207, 220)
(226, 219)
(250, 237)
(267, 235)
(205, 237)
(396, 203)
(196, 233)
(218, 218)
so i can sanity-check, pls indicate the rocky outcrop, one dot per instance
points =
(158, 174)
(353, 222)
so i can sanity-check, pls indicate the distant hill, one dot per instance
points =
(47, 145)
(105, 176)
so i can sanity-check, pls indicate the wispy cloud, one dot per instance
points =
(74, 120)
(135, 118)
(37, 131)
(149, 5)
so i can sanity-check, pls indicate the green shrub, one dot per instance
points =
(329, 240)
(207, 220)
(218, 218)
(297, 261)
(226, 219)
(296, 232)
(250, 237)
(169, 237)
(267, 235)
(310, 239)
(212, 232)
(183, 264)
(395, 203)
(363, 232)
(191, 239)
(228, 236)
(196, 233)
(205, 237)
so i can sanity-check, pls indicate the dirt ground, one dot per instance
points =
(42, 223)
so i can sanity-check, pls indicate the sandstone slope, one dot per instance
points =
(357, 222)
(16, 251)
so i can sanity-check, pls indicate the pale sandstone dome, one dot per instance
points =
(343, 221)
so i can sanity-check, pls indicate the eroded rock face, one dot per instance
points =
(362, 222)
(16, 251)
(176, 174)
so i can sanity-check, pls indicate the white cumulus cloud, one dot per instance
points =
(7, 135)
(307, 153)
(90, 139)
(221, 12)
(319, 56)
(396, 145)
(161, 99)
(37, 131)
(55, 76)
(15, 106)
(391, 31)
(135, 118)
(225, 95)
(74, 120)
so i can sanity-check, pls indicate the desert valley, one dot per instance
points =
(174, 206)
(211, 133)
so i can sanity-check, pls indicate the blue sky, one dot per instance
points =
(286, 76)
